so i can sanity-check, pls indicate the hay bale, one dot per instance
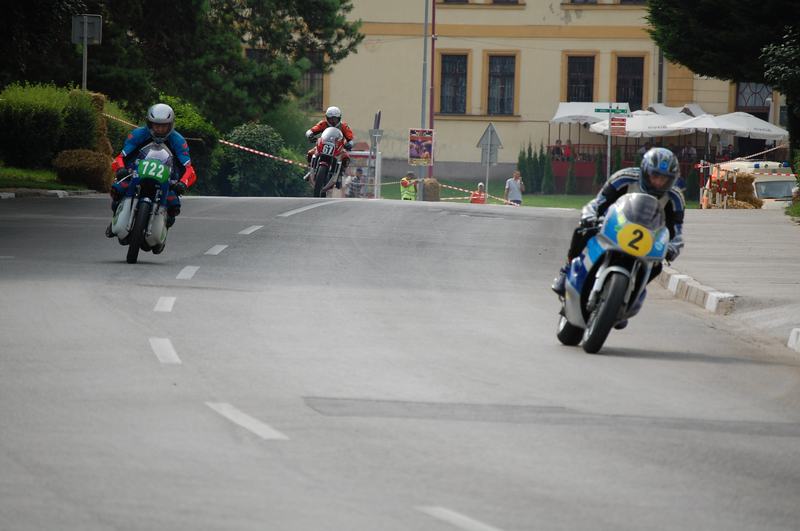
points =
(431, 189)
(84, 167)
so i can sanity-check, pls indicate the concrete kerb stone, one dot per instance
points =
(688, 289)
(7, 195)
(34, 192)
(794, 340)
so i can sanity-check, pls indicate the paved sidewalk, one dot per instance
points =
(13, 193)
(754, 254)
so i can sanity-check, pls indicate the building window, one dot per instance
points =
(580, 78)
(583, 2)
(502, 70)
(752, 97)
(632, 2)
(453, 91)
(630, 81)
(311, 84)
(506, 2)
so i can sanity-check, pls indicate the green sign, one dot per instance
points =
(153, 169)
(613, 111)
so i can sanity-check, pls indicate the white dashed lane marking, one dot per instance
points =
(164, 304)
(164, 351)
(251, 229)
(456, 519)
(216, 249)
(187, 272)
(6, 257)
(246, 421)
(303, 209)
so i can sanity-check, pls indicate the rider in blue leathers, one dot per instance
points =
(160, 128)
(656, 176)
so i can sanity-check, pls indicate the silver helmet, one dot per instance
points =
(333, 116)
(160, 113)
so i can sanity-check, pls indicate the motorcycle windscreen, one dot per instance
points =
(331, 134)
(642, 209)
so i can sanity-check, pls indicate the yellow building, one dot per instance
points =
(510, 63)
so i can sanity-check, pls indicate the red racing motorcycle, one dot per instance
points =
(326, 162)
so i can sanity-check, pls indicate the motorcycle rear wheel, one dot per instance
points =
(605, 314)
(136, 236)
(320, 180)
(568, 333)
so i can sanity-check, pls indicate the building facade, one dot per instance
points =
(510, 63)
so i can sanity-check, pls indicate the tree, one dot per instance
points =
(782, 70)
(548, 181)
(722, 39)
(193, 49)
(571, 186)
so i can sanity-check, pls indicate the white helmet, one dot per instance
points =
(333, 116)
(160, 113)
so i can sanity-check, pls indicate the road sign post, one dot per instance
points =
(86, 30)
(613, 108)
(489, 144)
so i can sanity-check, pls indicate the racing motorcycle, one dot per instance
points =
(606, 284)
(140, 220)
(326, 162)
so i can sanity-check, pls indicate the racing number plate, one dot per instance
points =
(152, 169)
(327, 149)
(635, 239)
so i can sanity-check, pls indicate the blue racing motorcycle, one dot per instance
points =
(140, 218)
(607, 284)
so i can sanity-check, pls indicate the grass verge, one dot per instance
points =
(11, 177)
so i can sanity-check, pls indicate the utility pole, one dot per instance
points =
(420, 183)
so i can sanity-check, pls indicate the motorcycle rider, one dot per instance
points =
(656, 176)
(333, 118)
(160, 129)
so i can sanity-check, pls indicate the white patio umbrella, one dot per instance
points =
(705, 123)
(645, 124)
(748, 126)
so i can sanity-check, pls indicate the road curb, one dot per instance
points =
(35, 192)
(794, 340)
(690, 290)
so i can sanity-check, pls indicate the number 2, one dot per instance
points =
(639, 235)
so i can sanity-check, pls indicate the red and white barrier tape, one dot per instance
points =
(699, 166)
(503, 201)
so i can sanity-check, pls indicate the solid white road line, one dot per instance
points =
(216, 249)
(251, 229)
(456, 519)
(303, 209)
(164, 351)
(246, 421)
(164, 304)
(187, 272)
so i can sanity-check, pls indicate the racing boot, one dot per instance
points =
(559, 283)
(109, 234)
(170, 221)
(621, 325)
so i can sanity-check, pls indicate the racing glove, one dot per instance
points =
(588, 216)
(121, 173)
(310, 136)
(672, 252)
(348, 145)
(179, 187)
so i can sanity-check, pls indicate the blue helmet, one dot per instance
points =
(658, 161)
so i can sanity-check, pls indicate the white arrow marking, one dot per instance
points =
(246, 421)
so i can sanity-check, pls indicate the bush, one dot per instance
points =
(117, 131)
(291, 121)
(31, 122)
(80, 122)
(599, 171)
(548, 182)
(203, 140)
(84, 167)
(693, 185)
(571, 186)
(247, 174)
(431, 189)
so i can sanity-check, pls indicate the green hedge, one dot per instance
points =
(37, 121)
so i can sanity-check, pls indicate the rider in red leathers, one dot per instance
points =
(333, 118)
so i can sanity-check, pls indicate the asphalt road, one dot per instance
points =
(366, 365)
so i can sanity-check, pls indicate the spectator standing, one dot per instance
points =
(568, 150)
(556, 152)
(688, 153)
(514, 189)
(478, 196)
(408, 187)
(354, 184)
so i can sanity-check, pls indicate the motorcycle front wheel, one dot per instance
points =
(136, 236)
(604, 315)
(320, 180)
